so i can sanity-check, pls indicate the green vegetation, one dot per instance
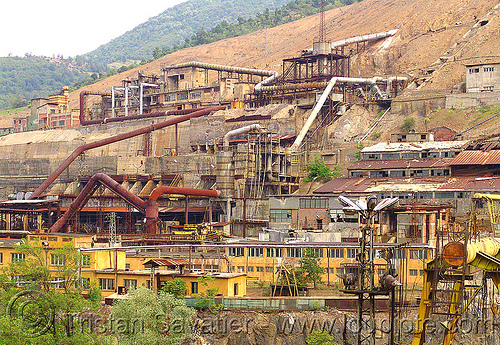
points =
(376, 135)
(408, 124)
(22, 79)
(310, 264)
(359, 147)
(318, 170)
(39, 314)
(320, 338)
(152, 319)
(176, 287)
(266, 19)
(206, 300)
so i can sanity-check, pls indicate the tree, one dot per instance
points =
(147, 318)
(207, 298)
(408, 124)
(45, 309)
(176, 287)
(310, 263)
(319, 170)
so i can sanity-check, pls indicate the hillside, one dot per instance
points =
(428, 31)
(175, 25)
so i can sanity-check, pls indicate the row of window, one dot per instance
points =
(402, 173)
(182, 96)
(340, 253)
(409, 155)
(485, 69)
(55, 259)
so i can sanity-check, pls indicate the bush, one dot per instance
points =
(408, 124)
(176, 287)
(320, 338)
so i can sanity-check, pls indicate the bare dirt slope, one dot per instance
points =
(429, 30)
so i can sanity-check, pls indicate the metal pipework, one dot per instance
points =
(114, 139)
(272, 74)
(87, 192)
(152, 205)
(317, 85)
(321, 101)
(149, 207)
(238, 131)
(84, 122)
(453, 252)
(358, 39)
(141, 104)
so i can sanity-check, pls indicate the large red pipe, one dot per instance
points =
(85, 122)
(115, 139)
(152, 205)
(149, 207)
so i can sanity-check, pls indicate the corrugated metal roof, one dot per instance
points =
(410, 184)
(400, 164)
(167, 262)
(410, 146)
(476, 157)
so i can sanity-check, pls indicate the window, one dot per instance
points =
(444, 195)
(170, 98)
(57, 283)
(356, 174)
(473, 70)
(351, 253)
(182, 96)
(418, 254)
(241, 269)
(255, 252)
(86, 260)
(84, 283)
(1, 258)
(238, 251)
(381, 272)
(106, 284)
(62, 123)
(16, 257)
(317, 252)
(249, 268)
(488, 88)
(382, 173)
(371, 156)
(130, 283)
(419, 173)
(390, 155)
(488, 69)
(440, 172)
(294, 252)
(269, 269)
(259, 269)
(398, 173)
(280, 216)
(273, 252)
(195, 94)
(194, 287)
(422, 272)
(336, 253)
(433, 155)
(314, 203)
(57, 259)
(413, 272)
(424, 195)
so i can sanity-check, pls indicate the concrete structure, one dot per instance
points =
(482, 77)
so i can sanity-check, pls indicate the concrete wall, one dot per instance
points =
(473, 99)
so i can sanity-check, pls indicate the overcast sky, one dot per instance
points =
(70, 28)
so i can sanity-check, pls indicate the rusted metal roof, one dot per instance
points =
(400, 164)
(410, 184)
(167, 262)
(182, 209)
(412, 146)
(476, 157)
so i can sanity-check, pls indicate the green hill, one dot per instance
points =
(175, 25)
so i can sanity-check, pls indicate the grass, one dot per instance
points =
(9, 111)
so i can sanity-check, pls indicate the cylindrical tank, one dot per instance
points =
(225, 173)
(453, 252)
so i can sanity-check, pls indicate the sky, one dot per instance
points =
(70, 28)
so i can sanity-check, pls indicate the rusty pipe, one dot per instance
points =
(114, 139)
(84, 122)
(152, 209)
(87, 192)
